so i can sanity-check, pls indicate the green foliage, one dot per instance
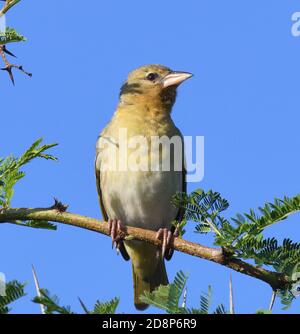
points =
(10, 172)
(202, 208)
(109, 307)
(52, 306)
(286, 298)
(242, 236)
(283, 257)
(167, 298)
(14, 291)
(36, 224)
(221, 310)
(179, 226)
(251, 224)
(51, 303)
(263, 311)
(11, 36)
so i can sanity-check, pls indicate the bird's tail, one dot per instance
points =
(148, 269)
(148, 284)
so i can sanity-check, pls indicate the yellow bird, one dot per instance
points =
(141, 196)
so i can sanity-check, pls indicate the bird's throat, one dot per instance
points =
(156, 101)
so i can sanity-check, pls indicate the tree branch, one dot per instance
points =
(8, 66)
(8, 5)
(217, 255)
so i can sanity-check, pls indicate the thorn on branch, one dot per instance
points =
(37, 287)
(8, 52)
(8, 66)
(59, 206)
(272, 300)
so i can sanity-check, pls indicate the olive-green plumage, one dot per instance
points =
(142, 198)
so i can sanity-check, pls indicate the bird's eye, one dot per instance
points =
(152, 76)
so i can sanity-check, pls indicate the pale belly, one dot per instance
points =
(141, 199)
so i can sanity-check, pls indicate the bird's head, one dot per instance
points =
(152, 84)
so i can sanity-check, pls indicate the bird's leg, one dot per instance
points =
(116, 230)
(166, 236)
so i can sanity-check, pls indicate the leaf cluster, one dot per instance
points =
(13, 291)
(242, 235)
(11, 173)
(10, 36)
(52, 305)
(168, 297)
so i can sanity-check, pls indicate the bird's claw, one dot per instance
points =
(116, 230)
(166, 236)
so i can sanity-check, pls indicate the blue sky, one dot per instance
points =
(243, 98)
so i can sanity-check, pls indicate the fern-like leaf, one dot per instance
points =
(40, 224)
(10, 172)
(51, 303)
(166, 297)
(106, 307)
(13, 291)
(10, 36)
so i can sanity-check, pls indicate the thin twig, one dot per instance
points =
(3, 51)
(8, 66)
(83, 306)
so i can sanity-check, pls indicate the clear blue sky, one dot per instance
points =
(244, 98)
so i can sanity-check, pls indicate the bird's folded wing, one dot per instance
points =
(181, 211)
(103, 211)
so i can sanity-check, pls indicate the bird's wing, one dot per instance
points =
(103, 211)
(181, 211)
(97, 173)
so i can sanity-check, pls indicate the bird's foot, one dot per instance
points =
(117, 231)
(166, 236)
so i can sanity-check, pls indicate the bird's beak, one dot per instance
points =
(175, 78)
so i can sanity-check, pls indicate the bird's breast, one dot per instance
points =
(139, 193)
(141, 199)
